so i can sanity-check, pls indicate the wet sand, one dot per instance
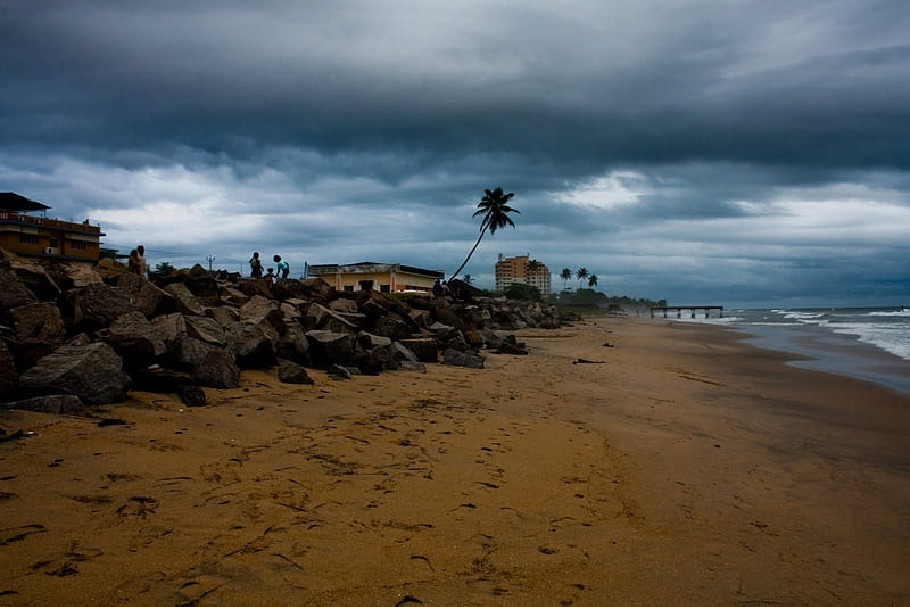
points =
(676, 466)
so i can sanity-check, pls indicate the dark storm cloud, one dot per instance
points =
(225, 77)
(652, 140)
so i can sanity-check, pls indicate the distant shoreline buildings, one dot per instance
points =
(524, 271)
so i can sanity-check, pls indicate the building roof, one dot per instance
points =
(10, 201)
(369, 266)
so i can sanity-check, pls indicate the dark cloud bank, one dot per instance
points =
(744, 153)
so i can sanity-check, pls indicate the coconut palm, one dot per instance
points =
(592, 280)
(467, 279)
(581, 274)
(495, 211)
(566, 274)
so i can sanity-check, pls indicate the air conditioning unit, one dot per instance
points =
(51, 250)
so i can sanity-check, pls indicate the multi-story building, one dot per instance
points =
(43, 238)
(522, 270)
(382, 277)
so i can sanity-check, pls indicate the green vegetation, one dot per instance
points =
(522, 292)
(589, 299)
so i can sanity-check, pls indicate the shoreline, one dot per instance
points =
(824, 349)
(678, 465)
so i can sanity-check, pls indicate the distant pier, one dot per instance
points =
(693, 309)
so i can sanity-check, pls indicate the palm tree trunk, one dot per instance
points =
(470, 253)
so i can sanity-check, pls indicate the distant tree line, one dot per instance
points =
(589, 298)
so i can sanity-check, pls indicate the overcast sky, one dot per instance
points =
(726, 152)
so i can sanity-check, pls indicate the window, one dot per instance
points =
(77, 245)
(28, 239)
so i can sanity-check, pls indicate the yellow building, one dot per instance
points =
(382, 277)
(43, 238)
(524, 271)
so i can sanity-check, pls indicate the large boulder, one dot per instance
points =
(217, 370)
(223, 315)
(373, 362)
(190, 352)
(314, 316)
(253, 344)
(99, 304)
(255, 286)
(422, 318)
(38, 321)
(202, 284)
(318, 316)
(447, 316)
(368, 341)
(205, 329)
(290, 372)
(93, 372)
(74, 275)
(184, 300)
(135, 339)
(233, 295)
(15, 292)
(424, 348)
(148, 298)
(346, 306)
(294, 345)
(443, 332)
(394, 327)
(171, 328)
(313, 289)
(34, 275)
(327, 348)
(393, 356)
(504, 343)
(460, 358)
(259, 308)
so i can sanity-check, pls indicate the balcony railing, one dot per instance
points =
(10, 216)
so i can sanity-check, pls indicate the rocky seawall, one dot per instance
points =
(74, 336)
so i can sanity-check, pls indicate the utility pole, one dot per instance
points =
(211, 260)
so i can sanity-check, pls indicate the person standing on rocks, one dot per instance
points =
(138, 264)
(255, 266)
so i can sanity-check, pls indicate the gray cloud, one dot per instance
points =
(679, 148)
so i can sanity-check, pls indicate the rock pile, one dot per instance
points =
(74, 336)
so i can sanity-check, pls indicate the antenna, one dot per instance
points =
(211, 260)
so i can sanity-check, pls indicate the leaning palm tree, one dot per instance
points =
(592, 280)
(494, 208)
(566, 274)
(581, 274)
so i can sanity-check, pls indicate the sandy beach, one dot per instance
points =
(622, 462)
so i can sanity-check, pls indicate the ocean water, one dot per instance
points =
(872, 344)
